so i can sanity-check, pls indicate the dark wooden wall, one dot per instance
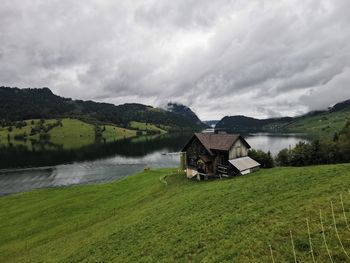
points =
(193, 151)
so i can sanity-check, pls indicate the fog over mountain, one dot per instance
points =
(255, 58)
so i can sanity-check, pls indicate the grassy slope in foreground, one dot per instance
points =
(142, 219)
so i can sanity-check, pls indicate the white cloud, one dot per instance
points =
(259, 58)
(332, 92)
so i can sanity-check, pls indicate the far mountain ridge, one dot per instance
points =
(323, 119)
(35, 103)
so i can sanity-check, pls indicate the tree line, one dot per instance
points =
(318, 151)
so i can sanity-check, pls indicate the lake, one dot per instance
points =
(23, 170)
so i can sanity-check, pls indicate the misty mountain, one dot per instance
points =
(185, 112)
(341, 106)
(20, 104)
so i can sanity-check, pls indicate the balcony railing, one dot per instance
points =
(222, 169)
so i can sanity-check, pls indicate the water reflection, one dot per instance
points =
(274, 142)
(21, 156)
(90, 164)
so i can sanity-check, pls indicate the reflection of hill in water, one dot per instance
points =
(21, 156)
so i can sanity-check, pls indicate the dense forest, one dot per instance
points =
(248, 124)
(21, 104)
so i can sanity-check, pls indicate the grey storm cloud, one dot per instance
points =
(258, 58)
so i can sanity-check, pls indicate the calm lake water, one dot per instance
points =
(22, 170)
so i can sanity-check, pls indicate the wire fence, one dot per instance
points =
(330, 237)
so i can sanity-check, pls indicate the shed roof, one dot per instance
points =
(244, 163)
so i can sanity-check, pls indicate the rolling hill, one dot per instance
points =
(63, 134)
(22, 104)
(317, 123)
(247, 124)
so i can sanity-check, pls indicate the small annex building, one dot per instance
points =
(210, 155)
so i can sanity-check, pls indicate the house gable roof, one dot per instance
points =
(219, 142)
(203, 142)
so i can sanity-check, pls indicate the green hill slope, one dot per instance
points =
(149, 218)
(323, 124)
(66, 133)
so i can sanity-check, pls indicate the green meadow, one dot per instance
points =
(7, 137)
(324, 125)
(72, 134)
(160, 216)
(114, 133)
(146, 127)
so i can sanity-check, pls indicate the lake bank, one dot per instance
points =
(25, 170)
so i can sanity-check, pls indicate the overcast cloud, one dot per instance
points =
(258, 58)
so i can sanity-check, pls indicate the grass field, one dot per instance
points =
(113, 133)
(145, 126)
(71, 135)
(17, 131)
(160, 216)
(322, 125)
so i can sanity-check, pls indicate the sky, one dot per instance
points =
(255, 58)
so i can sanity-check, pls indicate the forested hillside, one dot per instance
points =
(247, 124)
(21, 104)
(186, 112)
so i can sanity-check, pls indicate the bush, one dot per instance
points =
(20, 137)
(44, 136)
(317, 152)
(265, 159)
(283, 158)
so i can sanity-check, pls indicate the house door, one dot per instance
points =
(201, 166)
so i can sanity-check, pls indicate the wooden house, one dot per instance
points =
(217, 155)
